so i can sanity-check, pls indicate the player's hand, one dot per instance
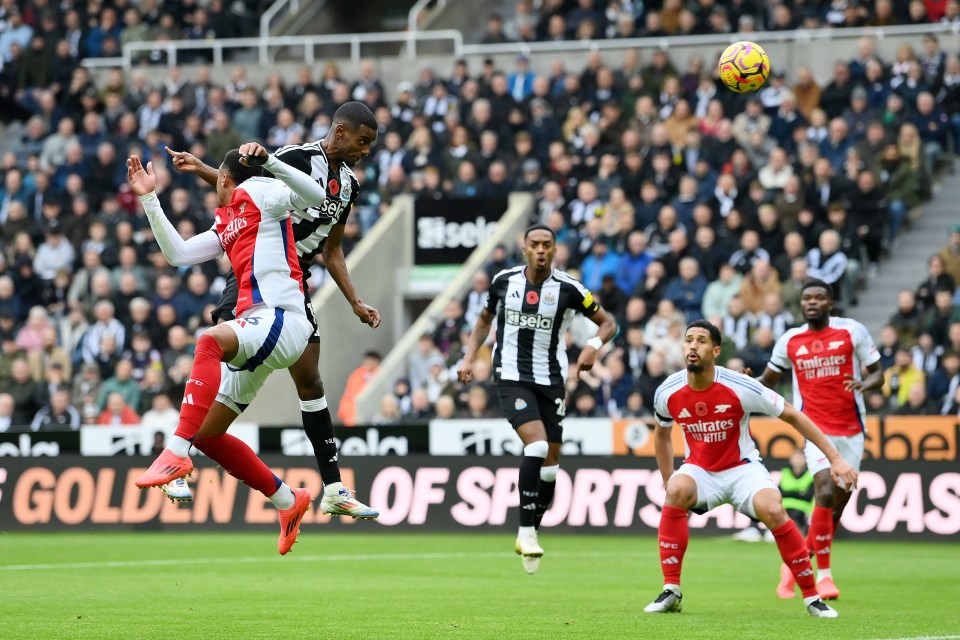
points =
(588, 358)
(367, 314)
(141, 181)
(184, 161)
(747, 371)
(465, 372)
(253, 154)
(843, 474)
(851, 384)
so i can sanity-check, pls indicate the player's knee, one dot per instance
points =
(537, 449)
(549, 474)
(310, 389)
(681, 495)
(824, 499)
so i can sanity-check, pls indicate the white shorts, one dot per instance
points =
(735, 486)
(270, 339)
(850, 448)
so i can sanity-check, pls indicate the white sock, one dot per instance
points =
(809, 599)
(332, 489)
(526, 531)
(823, 573)
(284, 497)
(673, 587)
(179, 446)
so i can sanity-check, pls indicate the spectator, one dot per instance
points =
(950, 255)
(121, 382)
(940, 316)
(827, 262)
(118, 412)
(355, 385)
(26, 393)
(907, 319)
(57, 415)
(899, 378)
(48, 355)
(687, 289)
(7, 407)
(937, 280)
(917, 403)
(943, 384)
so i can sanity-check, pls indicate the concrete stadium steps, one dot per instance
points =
(907, 267)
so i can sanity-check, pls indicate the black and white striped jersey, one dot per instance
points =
(342, 191)
(531, 320)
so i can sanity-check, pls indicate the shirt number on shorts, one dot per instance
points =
(245, 321)
(561, 407)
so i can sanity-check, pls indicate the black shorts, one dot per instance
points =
(523, 402)
(228, 301)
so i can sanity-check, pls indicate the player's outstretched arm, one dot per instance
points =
(336, 264)
(304, 193)
(874, 379)
(186, 162)
(843, 474)
(607, 330)
(769, 378)
(477, 337)
(178, 252)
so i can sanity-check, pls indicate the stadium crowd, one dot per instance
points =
(671, 197)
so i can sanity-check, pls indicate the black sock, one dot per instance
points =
(544, 499)
(319, 429)
(528, 483)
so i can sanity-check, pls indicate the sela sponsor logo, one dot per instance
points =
(721, 408)
(232, 231)
(496, 438)
(438, 233)
(330, 209)
(528, 320)
(26, 447)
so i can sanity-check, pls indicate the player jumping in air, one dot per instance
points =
(253, 226)
(328, 161)
(712, 405)
(827, 355)
(533, 305)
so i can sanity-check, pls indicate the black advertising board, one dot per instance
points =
(447, 231)
(908, 500)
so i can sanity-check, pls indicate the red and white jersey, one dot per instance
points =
(256, 232)
(821, 360)
(715, 420)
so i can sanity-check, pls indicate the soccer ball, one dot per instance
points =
(744, 66)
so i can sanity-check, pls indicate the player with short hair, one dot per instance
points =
(827, 356)
(328, 161)
(533, 306)
(712, 404)
(253, 227)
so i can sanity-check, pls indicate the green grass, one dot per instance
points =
(470, 586)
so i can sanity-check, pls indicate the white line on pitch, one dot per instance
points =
(924, 638)
(111, 564)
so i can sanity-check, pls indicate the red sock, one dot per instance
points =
(794, 552)
(239, 460)
(674, 533)
(821, 535)
(201, 389)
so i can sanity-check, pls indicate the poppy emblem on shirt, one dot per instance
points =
(701, 408)
(532, 297)
(333, 187)
(817, 346)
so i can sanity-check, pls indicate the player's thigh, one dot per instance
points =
(742, 483)
(518, 403)
(269, 337)
(708, 493)
(306, 373)
(849, 447)
(238, 387)
(552, 409)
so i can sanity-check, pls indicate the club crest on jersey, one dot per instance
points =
(533, 297)
(520, 404)
(345, 192)
(721, 408)
(834, 344)
(817, 346)
(549, 298)
(700, 408)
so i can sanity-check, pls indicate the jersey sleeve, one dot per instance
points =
(582, 300)
(755, 397)
(661, 412)
(495, 294)
(779, 360)
(864, 346)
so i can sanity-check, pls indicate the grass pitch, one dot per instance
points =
(470, 586)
